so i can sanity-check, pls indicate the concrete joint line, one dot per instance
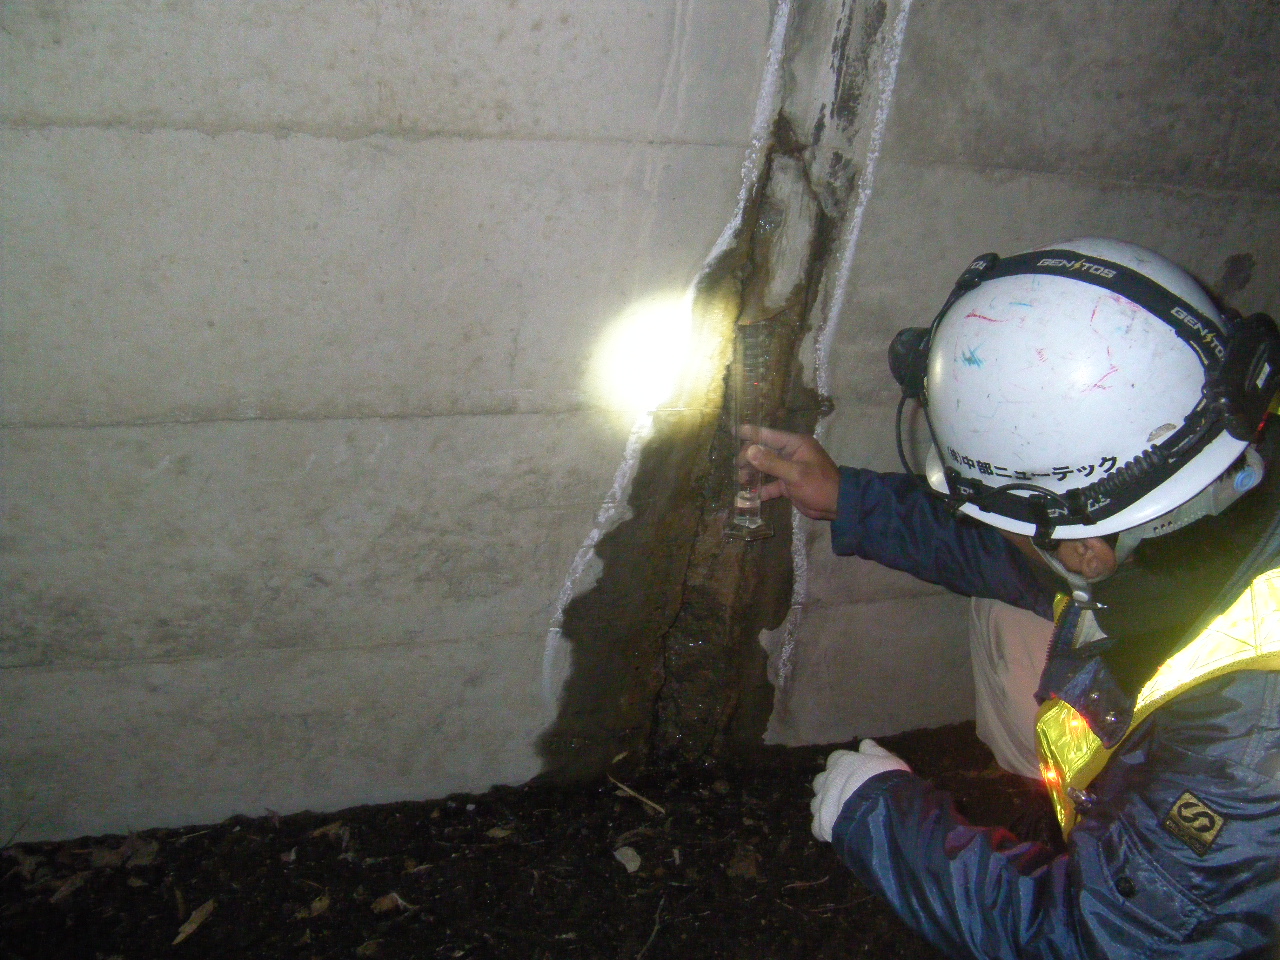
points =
(365, 418)
(1089, 179)
(891, 52)
(351, 135)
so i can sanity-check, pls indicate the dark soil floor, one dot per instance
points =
(722, 864)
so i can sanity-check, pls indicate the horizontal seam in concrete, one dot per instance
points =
(922, 594)
(354, 134)
(1083, 177)
(321, 418)
(83, 665)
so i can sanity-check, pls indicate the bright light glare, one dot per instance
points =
(642, 356)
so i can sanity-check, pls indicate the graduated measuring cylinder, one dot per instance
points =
(751, 351)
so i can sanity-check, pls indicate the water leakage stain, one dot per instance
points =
(665, 647)
(1237, 271)
(665, 650)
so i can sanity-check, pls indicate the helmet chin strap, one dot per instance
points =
(1245, 474)
(1081, 586)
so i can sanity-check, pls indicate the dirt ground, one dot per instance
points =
(657, 863)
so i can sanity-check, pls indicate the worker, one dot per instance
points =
(1094, 416)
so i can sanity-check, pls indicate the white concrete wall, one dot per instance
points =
(298, 300)
(1010, 127)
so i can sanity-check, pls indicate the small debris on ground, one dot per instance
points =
(198, 916)
(334, 831)
(69, 886)
(628, 857)
(745, 863)
(318, 906)
(728, 870)
(389, 902)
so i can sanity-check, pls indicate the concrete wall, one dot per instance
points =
(298, 304)
(1011, 126)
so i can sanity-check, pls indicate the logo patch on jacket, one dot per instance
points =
(1194, 823)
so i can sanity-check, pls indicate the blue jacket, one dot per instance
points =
(1127, 886)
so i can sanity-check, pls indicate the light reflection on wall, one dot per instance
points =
(644, 355)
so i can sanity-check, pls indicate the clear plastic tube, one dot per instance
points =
(749, 375)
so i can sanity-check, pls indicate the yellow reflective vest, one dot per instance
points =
(1245, 637)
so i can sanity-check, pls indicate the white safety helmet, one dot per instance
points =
(1087, 388)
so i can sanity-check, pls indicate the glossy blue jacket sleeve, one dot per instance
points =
(893, 519)
(970, 891)
(1130, 884)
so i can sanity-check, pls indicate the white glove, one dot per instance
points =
(846, 772)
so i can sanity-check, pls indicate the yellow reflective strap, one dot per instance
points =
(1067, 746)
(1245, 637)
(1060, 602)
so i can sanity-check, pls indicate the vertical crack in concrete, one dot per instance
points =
(666, 648)
(716, 695)
(614, 632)
(604, 701)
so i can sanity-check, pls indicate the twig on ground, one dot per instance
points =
(807, 883)
(828, 908)
(633, 834)
(692, 916)
(631, 793)
(657, 922)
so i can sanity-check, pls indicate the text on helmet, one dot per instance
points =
(1086, 266)
(987, 469)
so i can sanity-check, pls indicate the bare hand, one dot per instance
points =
(803, 472)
